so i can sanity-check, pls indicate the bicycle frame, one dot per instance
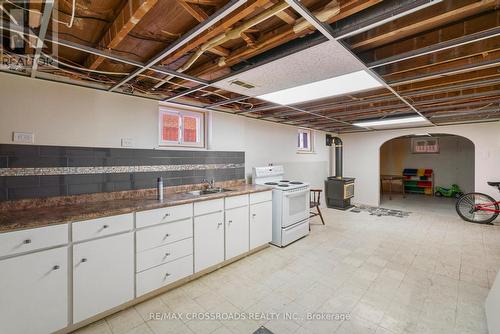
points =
(485, 207)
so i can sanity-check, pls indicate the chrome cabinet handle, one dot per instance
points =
(56, 267)
(254, 214)
(105, 226)
(167, 254)
(27, 241)
(166, 275)
(166, 236)
(166, 215)
(229, 221)
(219, 225)
(84, 260)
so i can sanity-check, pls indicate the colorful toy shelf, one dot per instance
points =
(420, 181)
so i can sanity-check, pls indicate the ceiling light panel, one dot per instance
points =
(339, 85)
(320, 62)
(389, 122)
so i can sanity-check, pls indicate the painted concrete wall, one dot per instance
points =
(453, 164)
(60, 114)
(362, 156)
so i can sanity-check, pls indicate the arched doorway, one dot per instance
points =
(419, 164)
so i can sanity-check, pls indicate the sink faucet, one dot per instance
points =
(210, 184)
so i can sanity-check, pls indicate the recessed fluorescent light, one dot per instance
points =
(347, 83)
(390, 121)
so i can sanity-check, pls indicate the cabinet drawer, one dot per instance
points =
(261, 197)
(163, 215)
(164, 234)
(165, 274)
(36, 238)
(163, 254)
(214, 205)
(236, 201)
(89, 229)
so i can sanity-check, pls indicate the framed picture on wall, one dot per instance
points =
(425, 145)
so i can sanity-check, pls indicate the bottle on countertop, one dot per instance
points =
(159, 189)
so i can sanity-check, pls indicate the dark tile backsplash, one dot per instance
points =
(190, 167)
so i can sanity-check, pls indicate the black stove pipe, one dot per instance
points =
(338, 156)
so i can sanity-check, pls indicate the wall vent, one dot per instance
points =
(242, 84)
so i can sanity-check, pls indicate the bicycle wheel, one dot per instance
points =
(467, 208)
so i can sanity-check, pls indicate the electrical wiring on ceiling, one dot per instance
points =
(83, 68)
(67, 24)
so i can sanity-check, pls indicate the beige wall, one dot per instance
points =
(453, 164)
(61, 114)
(362, 156)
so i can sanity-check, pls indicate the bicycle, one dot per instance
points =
(478, 208)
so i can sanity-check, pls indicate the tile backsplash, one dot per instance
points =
(33, 171)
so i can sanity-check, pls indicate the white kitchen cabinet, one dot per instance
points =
(261, 220)
(103, 275)
(34, 292)
(208, 240)
(237, 231)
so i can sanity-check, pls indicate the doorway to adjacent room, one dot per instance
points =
(426, 172)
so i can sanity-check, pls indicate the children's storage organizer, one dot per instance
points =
(419, 181)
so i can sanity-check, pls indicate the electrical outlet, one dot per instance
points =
(23, 137)
(127, 142)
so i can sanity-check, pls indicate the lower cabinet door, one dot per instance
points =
(261, 224)
(103, 275)
(237, 232)
(208, 240)
(34, 292)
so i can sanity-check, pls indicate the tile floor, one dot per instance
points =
(429, 273)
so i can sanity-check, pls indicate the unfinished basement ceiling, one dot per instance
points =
(438, 59)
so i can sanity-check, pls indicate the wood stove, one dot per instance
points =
(338, 189)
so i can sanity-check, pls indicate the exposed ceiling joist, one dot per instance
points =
(433, 48)
(490, 63)
(215, 3)
(442, 13)
(200, 15)
(186, 38)
(130, 15)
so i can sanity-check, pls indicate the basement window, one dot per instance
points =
(181, 128)
(304, 141)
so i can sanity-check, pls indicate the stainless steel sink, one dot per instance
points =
(208, 191)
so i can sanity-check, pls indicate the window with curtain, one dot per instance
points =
(181, 128)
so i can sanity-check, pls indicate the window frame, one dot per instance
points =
(310, 135)
(181, 114)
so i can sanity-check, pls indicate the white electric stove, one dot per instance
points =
(290, 204)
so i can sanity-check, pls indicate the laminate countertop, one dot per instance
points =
(13, 220)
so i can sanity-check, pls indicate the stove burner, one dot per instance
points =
(296, 182)
(283, 185)
(271, 183)
(286, 181)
